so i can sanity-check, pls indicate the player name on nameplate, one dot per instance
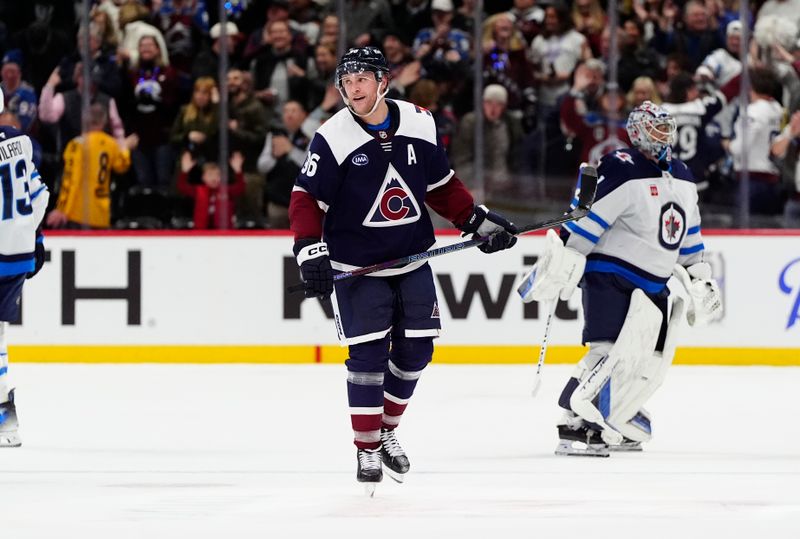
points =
(10, 149)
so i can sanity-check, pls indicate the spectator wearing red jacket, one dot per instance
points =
(213, 205)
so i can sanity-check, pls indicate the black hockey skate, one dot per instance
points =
(580, 442)
(370, 471)
(393, 456)
(9, 435)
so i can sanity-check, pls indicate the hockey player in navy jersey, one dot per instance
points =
(21, 250)
(644, 226)
(360, 200)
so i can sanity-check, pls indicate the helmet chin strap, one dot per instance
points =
(663, 159)
(378, 96)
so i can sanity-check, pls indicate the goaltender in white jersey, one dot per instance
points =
(644, 227)
(24, 200)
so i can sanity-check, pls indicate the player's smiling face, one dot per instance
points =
(361, 89)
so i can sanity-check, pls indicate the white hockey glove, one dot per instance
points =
(705, 301)
(555, 275)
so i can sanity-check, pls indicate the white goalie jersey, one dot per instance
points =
(643, 221)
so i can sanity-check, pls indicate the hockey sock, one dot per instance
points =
(365, 379)
(3, 363)
(409, 357)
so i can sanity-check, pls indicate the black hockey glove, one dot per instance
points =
(483, 223)
(312, 257)
(38, 255)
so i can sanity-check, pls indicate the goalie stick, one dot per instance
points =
(587, 188)
(537, 377)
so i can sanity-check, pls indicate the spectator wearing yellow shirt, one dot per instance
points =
(84, 197)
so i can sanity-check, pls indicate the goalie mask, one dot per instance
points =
(652, 131)
(362, 60)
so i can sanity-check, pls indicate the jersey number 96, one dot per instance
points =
(310, 165)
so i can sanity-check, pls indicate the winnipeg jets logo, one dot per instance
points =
(624, 157)
(395, 204)
(672, 226)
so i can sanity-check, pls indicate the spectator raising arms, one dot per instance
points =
(85, 201)
(555, 53)
(213, 204)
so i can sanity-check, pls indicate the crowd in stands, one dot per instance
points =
(154, 120)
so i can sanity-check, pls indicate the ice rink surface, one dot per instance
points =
(232, 451)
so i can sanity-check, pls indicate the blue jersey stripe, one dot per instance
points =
(16, 268)
(693, 230)
(572, 227)
(603, 266)
(38, 192)
(692, 249)
(3, 370)
(599, 220)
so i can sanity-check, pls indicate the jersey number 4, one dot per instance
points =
(23, 204)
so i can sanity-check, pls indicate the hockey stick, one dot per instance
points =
(587, 185)
(537, 378)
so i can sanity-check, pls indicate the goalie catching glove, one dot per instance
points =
(704, 299)
(488, 224)
(555, 275)
(315, 266)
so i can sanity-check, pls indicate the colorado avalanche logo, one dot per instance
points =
(395, 204)
(672, 226)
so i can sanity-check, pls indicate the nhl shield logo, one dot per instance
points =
(395, 204)
(672, 226)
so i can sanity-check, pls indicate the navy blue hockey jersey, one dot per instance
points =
(373, 190)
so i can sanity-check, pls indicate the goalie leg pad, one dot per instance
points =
(627, 415)
(597, 351)
(607, 380)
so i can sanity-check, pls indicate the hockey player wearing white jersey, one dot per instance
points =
(764, 117)
(644, 225)
(21, 250)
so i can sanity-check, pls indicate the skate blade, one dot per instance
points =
(393, 475)
(625, 448)
(10, 439)
(571, 448)
(369, 489)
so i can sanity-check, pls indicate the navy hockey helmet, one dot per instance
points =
(359, 60)
(362, 60)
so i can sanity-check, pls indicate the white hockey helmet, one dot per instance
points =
(652, 130)
(2, 101)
